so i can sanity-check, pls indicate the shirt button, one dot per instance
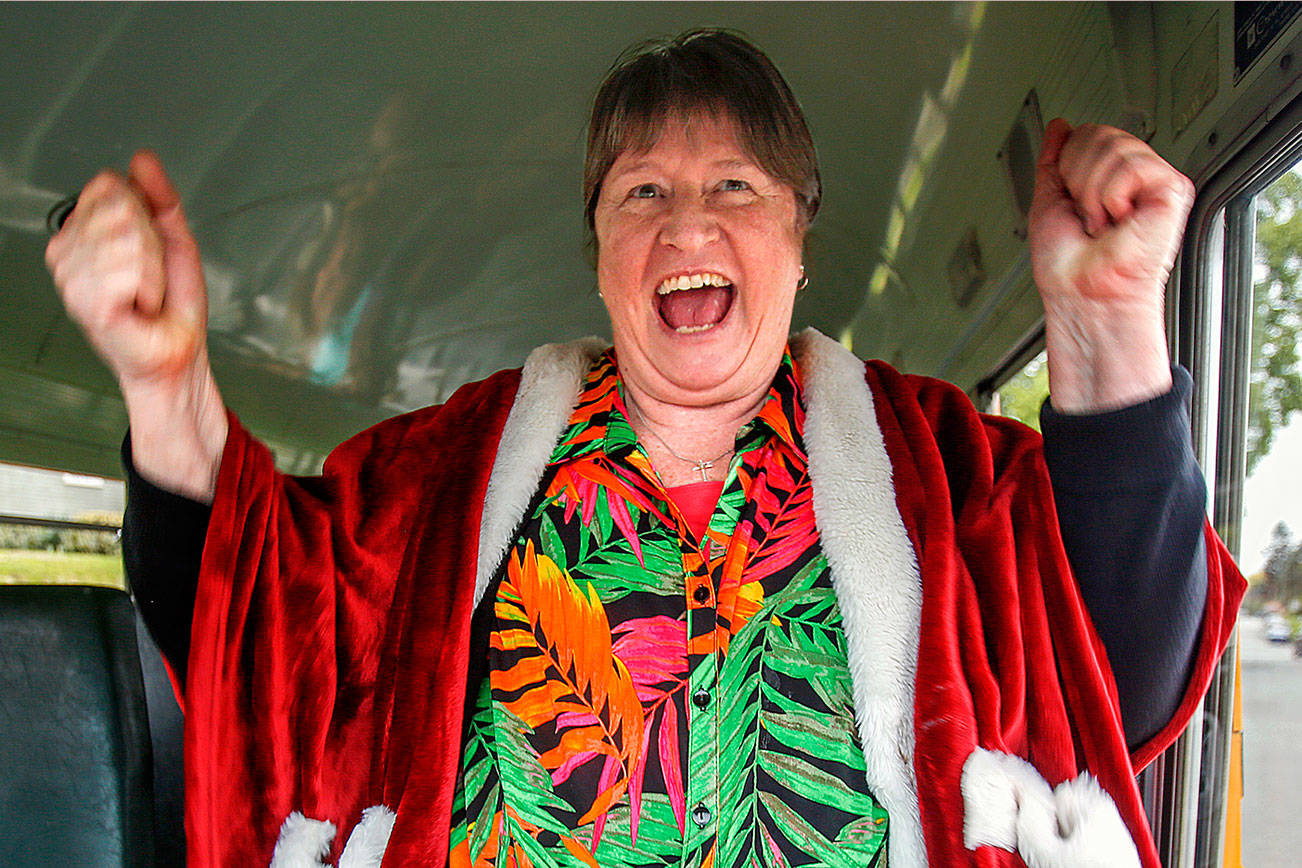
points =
(701, 815)
(701, 594)
(701, 697)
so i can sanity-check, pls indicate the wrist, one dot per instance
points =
(1105, 355)
(178, 430)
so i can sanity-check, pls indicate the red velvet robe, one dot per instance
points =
(328, 663)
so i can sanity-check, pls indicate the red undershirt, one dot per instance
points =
(696, 501)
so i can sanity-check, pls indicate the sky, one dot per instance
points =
(1273, 493)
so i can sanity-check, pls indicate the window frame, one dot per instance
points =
(1212, 338)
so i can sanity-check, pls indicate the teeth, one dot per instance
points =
(691, 330)
(692, 281)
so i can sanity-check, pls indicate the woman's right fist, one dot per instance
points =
(129, 273)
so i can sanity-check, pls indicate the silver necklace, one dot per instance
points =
(703, 465)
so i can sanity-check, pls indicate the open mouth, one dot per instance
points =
(691, 303)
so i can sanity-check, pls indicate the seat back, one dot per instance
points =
(75, 759)
(166, 731)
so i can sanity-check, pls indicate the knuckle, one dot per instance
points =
(119, 289)
(59, 271)
(106, 183)
(117, 213)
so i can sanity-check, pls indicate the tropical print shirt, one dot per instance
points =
(657, 699)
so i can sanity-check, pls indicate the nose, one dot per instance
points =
(689, 225)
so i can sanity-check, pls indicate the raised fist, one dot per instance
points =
(129, 273)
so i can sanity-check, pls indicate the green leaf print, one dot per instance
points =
(552, 546)
(657, 828)
(807, 780)
(605, 524)
(771, 649)
(519, 769)
(797, 830)
(739, 693)
(613, 564)
(812, 733)
(478, 772)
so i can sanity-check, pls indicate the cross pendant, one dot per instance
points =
(702, 467)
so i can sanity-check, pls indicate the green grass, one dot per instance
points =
(19, 567)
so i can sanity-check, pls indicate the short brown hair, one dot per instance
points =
(706, 70)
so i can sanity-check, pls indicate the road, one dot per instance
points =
(1272, 750)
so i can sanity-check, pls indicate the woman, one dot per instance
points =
(729, 603)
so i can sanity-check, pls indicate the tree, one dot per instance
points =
(1283, 570)
(1275, 384)
(1023, 394)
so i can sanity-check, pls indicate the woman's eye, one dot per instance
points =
(733, 185)
(645, 191)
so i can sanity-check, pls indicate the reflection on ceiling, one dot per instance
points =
(387, 196)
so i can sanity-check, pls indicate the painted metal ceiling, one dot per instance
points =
(387, 196)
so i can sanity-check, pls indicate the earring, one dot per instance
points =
(804, 280)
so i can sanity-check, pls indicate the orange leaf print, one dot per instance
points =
(573, 670)
(578, 851)
(585, 739)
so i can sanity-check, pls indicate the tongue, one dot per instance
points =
(695, 307)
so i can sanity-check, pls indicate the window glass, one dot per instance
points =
(1271, 537)
(1021, 396)
(59, 528)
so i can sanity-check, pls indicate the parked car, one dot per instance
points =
(1277, 628)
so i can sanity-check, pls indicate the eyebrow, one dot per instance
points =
(736, 164)
(733, 163)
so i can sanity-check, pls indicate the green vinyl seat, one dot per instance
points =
(75, 755)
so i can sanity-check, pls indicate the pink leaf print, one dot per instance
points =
(774, 853)
(567, 719)
(619, 513)
(565, 769)
(588, 495)
(570, 503)
(635, 785)
(654, 649)
(609, 772)
(670, 767)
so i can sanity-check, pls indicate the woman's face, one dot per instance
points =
(698, 257)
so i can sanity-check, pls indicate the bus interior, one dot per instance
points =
(387, 199)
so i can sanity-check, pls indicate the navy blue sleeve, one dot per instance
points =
(1131, 501)
(162, 547)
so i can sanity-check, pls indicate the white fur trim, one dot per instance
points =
(874, 571)
(303, 843)
(1007, 804)
(993, 786)
(369, 838)
(549, 390)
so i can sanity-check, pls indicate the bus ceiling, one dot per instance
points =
(387, 196)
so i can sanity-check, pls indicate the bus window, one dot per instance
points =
(59, 528)
(1021, 395)
(1244, 320)
(1270, 534)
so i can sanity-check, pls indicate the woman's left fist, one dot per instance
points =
(1106, 220)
